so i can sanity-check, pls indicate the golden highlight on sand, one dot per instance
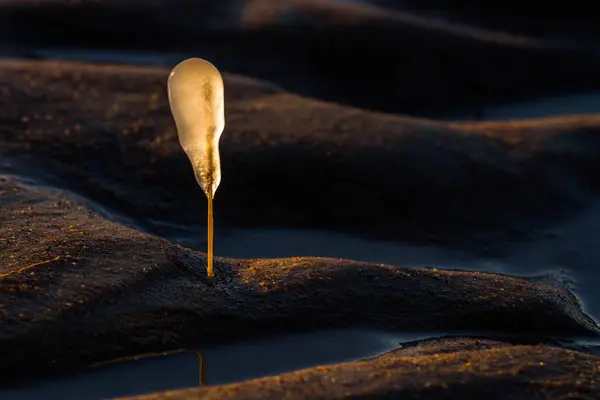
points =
(196, 97)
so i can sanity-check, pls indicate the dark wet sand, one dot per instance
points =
(89, 194)
(97, 200)
(459, 184)
(109, 291)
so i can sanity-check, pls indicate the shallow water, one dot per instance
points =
(214, 365)
(582, 103)
(549, 106)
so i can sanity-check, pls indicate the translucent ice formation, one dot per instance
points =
(196, 97)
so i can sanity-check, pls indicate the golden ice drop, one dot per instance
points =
(196, 97)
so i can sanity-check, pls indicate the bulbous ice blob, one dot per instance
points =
(196, 97)
(197, 102)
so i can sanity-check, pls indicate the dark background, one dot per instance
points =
(429, 58)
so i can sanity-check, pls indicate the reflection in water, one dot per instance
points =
(231, 362)
(201, 364)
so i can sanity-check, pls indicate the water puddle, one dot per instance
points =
(549, 106)
(213, 365)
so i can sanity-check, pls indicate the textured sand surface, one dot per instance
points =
(92, 178)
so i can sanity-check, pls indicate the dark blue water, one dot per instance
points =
(213, 365)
